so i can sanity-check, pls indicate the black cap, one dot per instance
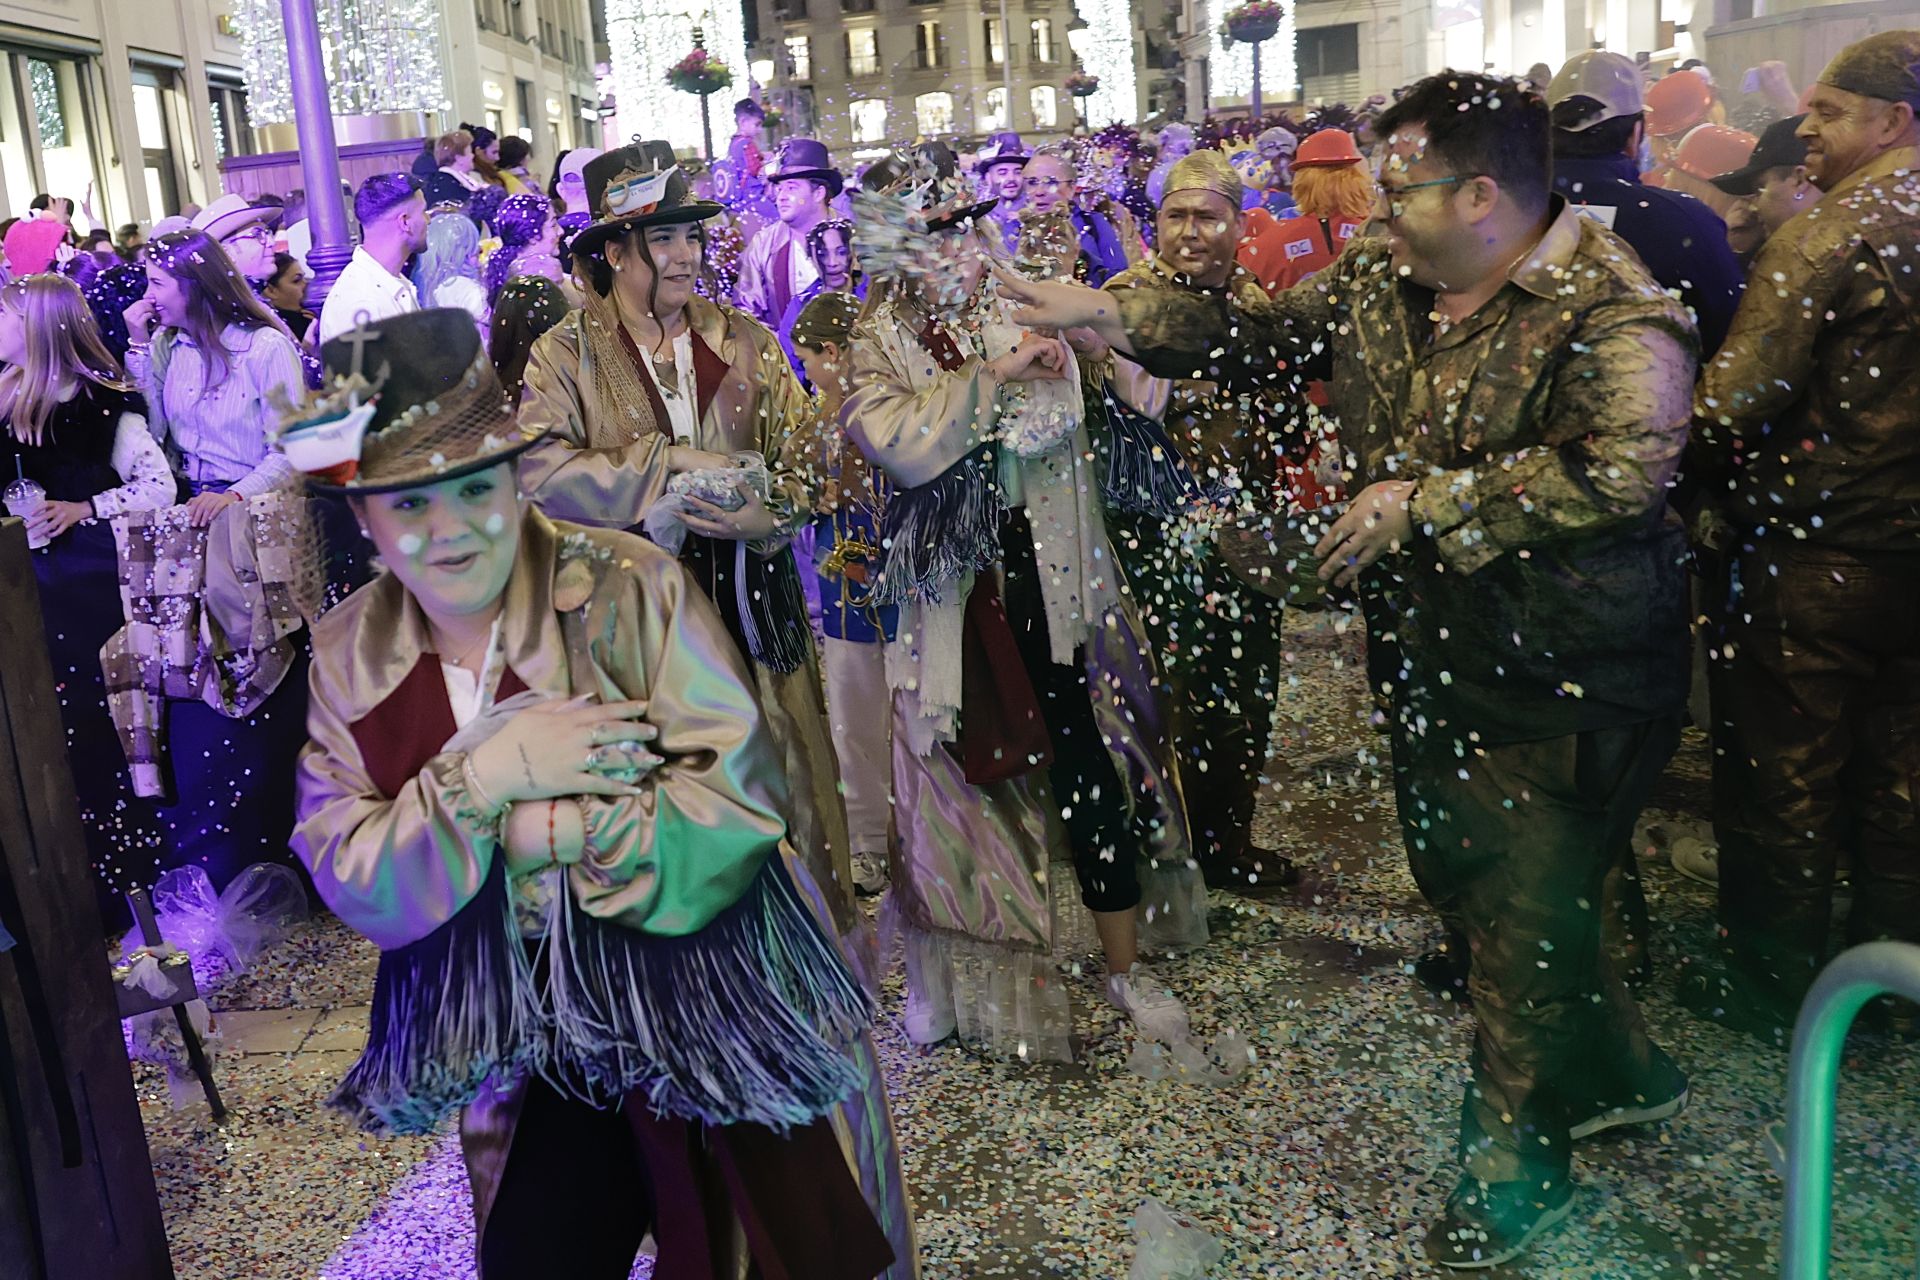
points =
(1780, 147)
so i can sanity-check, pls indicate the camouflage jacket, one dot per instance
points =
(1813, 404)
(1544, 592)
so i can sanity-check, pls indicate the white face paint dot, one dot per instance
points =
(496, 524)
(410, 544)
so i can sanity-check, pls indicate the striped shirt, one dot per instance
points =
(217, 426)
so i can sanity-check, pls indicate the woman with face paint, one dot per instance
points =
(1026, 726)
(540, 780)
(649, 383)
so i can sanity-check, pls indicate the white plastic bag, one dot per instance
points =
(226, 930)
(1169, 1247)
(721, 487)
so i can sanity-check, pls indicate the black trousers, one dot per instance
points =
(1516, 855)
(582, 1187)
(1816, 711)
(1107, 834)
(1218, 643)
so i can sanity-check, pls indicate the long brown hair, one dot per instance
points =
(217, 295)
(63, 346)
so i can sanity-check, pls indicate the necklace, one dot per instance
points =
(467, 655)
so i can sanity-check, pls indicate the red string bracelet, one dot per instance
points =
(553, 845)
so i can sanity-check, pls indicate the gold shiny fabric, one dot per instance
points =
(1815, 390)
(1542, 432)
(397, 868)
(606, 464)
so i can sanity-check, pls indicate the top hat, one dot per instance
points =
(636, 186)
(806, 158)
(408, 401)
(1003, 148)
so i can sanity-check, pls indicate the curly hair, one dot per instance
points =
(1334, 191)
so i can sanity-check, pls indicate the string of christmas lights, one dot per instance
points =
(645, 37)
(381, 56)
(1106, 49)
(1230, 71)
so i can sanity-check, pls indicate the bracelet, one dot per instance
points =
(553, 846)
(476, 792)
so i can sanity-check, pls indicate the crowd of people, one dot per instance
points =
(615, 580)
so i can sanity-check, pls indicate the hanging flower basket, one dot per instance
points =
(699, 72)
(1252, 23)
(1082, 85)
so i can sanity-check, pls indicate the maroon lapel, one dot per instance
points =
(398, 737)
(709, 370)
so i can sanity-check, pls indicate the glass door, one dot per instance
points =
(158, 170)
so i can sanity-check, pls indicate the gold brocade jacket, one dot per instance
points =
(1543, 593)
(1225, 435)
(397, 857)
(1808, 418)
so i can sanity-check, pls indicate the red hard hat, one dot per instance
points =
(1328, 148)
(1713, 149)
(1678, 103)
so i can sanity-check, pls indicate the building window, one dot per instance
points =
(869, 119)
(863, 52)
(49, 114)
(799, 58)
(996, 43)
(1043, 48)
(1046, 107)
(856, 6)
(933, 112)
(151, 94)
(993, 112)
(1328, 59)
(927, 50)
(232, 128)
(523, 96)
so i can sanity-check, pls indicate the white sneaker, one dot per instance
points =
(1695, 859)
(929, 1018)
(1156, 1012)
(870, 873)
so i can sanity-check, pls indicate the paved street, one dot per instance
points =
(1326, 1159)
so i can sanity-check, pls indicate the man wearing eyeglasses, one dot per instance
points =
(1513, 393)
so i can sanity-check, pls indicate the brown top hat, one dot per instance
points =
(636, 186)
(408, 401)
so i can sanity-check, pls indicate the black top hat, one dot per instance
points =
(636, 186)
(408, 401)
(1003, 148)
(806, 158)
(1780, 147)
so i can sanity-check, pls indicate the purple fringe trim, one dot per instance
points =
(743, 1021)
(449, 1011)
(934, 533)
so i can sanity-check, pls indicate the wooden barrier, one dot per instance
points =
(77, 1196)
(278, 172)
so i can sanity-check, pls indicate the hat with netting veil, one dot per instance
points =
(408, 401)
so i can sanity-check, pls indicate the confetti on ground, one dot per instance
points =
(1326, 1159)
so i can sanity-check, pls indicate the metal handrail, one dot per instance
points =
(1839, 993)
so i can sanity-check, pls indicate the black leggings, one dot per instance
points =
(1102, 831)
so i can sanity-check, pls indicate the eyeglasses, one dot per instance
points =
(1396, 196)
(258, 231)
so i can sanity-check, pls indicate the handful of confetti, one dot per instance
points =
(720, 486)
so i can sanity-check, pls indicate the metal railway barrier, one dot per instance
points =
(1839, 993)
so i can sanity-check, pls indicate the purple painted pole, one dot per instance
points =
(319, 156)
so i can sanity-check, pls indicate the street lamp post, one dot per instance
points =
(319, 155)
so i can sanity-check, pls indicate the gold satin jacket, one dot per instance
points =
(587, 612)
